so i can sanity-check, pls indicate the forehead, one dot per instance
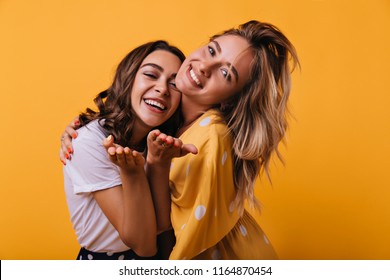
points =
(167, 60)
(232, 45)
(236, 51)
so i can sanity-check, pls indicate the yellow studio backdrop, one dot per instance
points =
(331, 200)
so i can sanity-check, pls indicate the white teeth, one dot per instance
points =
(193, 76)
(155, 104)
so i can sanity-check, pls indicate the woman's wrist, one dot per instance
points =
(158, 161)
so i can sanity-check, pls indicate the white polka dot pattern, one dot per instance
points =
(200, 211)
(243, 230)
(224, 157)
(205, 121)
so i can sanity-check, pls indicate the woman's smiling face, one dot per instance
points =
(216, 71)
(154, 96)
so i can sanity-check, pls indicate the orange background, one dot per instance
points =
(332, 198)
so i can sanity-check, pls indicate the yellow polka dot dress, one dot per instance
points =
(205, 221)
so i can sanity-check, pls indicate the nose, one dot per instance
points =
(205, 68)
(162, 88)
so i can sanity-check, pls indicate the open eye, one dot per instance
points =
(211, 50)
(226, 75)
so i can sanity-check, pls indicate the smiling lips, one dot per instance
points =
(195, 78)
(155, 104)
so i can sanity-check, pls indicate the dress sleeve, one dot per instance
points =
(203, 211)
(90, 168)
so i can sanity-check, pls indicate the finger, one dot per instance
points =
(71, 132)
(158, 141)
(62, 157)
(177, 143)
(112, 154)
(161, 138)
(127, 150)
(66, 147)
(169, 140)
(138, 158)
(63, 151)
(153, 134)
(111, 151)
(75, 123)
(120, 156)
(66, 144)
(108, 142)
(66, 141)
(128, 156)
(188, 148)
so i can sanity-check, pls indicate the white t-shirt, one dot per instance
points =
(91, 170)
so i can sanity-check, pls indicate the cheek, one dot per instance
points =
(217, 86)
(220, 92)
(134, 104)
(179, 80)
(134, 96)
(175, 100)
(139, 87)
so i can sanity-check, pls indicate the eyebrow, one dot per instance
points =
(154, 66)
(234, 70)
(158, 67)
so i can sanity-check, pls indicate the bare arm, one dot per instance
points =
(161, 150)
(158, 176)
(130, 208)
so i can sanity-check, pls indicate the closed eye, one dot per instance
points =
(150, 75)
(172, 85)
